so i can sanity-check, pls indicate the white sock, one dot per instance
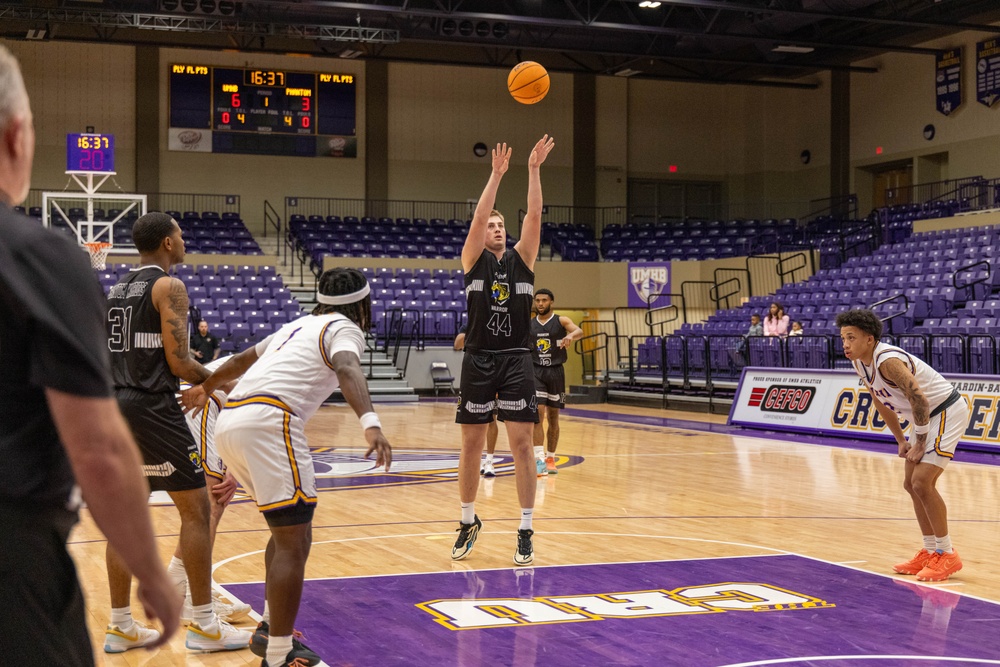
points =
(177, 573)
(468, 512)
(944, 544)
(930, 543)
(266, 617)
(122, 617)
(526, 516)
(203, 615)
(540, 452)
(489, 458)
(278, 649)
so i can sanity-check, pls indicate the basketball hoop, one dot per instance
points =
(98, 254)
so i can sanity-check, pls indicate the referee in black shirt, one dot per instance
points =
(59, 425)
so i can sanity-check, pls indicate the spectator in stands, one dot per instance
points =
(796, 329)
(776, 322)
(204, 345)
(756, 328)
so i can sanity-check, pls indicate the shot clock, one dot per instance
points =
(90, 153)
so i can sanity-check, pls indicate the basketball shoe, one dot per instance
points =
(915, 564)
(226, 611)
(118, 641)
(300, 652)
(540, 467)
(488, 470)
(218, 636)
(525, 553)
(940, 567)
(550, 465)
(467, 534)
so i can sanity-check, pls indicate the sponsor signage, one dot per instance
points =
(648, 284)
(836, 402)
(948, 80)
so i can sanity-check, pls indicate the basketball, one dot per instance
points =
(528, 82)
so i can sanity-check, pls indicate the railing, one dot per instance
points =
(968, 268)
(378, 208)
(589, 348)
(735, 289)
(842, 207)
(958, 188)
(664, 315)
(156, 201)
(595, 217)
(785, 270)
(891, 317)
(271, 219)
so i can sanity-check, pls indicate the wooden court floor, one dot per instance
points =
(625, 492)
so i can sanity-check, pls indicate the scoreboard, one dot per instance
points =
(263, 111)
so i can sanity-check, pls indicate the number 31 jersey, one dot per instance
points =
(499, 294)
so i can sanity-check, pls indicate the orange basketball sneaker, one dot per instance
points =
(940, 567)
(915, 564)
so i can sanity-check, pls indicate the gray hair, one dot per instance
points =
(13, 95)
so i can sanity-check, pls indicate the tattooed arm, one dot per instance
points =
(171, 299)
(895, 371)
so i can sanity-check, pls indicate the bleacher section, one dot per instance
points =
(434, 296)
(694, 239)
(242, 304)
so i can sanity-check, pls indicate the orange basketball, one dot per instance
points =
(528, 82)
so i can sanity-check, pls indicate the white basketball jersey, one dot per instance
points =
(296, 362)
(202, 425)
(931, 383)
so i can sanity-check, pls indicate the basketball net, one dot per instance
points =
(98, 254)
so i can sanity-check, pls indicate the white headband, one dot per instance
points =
(344, 299)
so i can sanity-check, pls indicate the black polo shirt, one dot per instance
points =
(207, 345)
(52, 335)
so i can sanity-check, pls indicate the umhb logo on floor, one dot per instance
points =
(782, 398)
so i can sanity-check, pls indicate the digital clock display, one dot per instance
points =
(271, 112)
(90, 152)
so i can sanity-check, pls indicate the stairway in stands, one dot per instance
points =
(386, 383)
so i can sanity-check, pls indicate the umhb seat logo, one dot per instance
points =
(648, 282)
(500, 291)
(480, 613)
(788, 399)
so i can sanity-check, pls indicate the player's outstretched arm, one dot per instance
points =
(354, 387)
(475, 242)
(531, 230)
(196, 398)
(573, 332)
(106, 465)
(896, 372)
(171, 299)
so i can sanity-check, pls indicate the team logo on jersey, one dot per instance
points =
(544, 345)
(649, 282)
(500, 291)
(779, 398)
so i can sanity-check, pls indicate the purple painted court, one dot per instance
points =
(701, 613)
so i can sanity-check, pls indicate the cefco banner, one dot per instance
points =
(648, 284)
(948, 80)
(834, 402)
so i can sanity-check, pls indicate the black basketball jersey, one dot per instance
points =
(499, 294)
(135, 335)
(546, 351)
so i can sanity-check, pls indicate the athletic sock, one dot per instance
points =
(177, 573)
(278, 649)
(539, 452)
(266, 616)
(930, 543)
(526, 516)
(122, 617)
(944, 544)
(203, 615)
(489, 459)
(468, 512)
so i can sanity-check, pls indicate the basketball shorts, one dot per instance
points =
(504, 382)
(945, 431)
(550, 386)
(202, 427)
(264, 446)
(171, 461)
(41, 605)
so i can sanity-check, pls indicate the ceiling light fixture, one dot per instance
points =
(646, 4)
(791, 48)
(628, 71)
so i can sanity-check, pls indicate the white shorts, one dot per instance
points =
(202, 427)
(945, 431)
(265, 448)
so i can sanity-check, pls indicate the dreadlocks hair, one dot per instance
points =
(863, 319)
(149, 231)
(335, 282)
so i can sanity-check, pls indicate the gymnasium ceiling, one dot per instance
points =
(712, 41)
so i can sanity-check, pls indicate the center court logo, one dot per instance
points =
(787, 399)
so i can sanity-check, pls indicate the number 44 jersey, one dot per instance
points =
(499, 293)
(135, 335)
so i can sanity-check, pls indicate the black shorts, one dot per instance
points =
(170, 457)
(550, 386)
(501, 382)
(39, 592)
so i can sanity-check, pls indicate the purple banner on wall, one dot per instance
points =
(948, 80)
(988, 72)
(648, 284)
